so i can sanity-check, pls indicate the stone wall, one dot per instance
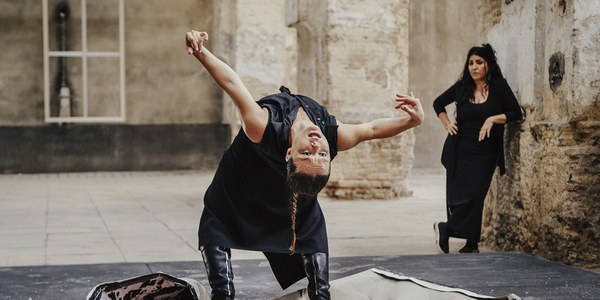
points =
(167, 91)
(163, 84)
(253, 38)
(548, 203)
(21, 76)
(350, 55)
(329, 50)
(366, 61)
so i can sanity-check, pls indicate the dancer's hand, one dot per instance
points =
(194, 40)
(412, 106)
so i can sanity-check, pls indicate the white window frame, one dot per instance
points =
(84, 54)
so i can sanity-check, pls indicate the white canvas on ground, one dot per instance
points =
(383, 285)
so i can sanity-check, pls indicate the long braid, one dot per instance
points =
(293, 209)
(301, 184)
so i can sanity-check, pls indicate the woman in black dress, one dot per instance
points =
(475, 144)
(263, 196)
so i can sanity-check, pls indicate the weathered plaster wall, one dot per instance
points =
(253, 38)
(172, 118)
(586, 59)
(548, 202)
(21, 76)
(164, 83)
(441, 33)
(261, 36)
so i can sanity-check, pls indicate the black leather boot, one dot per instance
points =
(316, 267)
(217, 261)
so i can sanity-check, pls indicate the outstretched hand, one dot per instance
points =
(412, 106)
(194, 40)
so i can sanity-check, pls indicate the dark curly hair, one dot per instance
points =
(493, 73)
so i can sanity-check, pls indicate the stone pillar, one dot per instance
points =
(362, 63)
(548, 204)
(222, 42)
(252, 37)
(309, 19)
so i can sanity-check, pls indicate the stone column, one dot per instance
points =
(252, 37)
(362, 62)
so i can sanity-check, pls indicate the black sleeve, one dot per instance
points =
(447, 97)
(511, 106)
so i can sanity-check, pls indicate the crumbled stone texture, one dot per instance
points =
(548, 203)
(492, 12)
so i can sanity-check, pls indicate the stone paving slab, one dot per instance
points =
(123, 217)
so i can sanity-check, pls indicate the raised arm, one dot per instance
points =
(254, 118)
(350, 135)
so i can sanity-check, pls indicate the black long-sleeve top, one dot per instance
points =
(470, 116)
(246, 205)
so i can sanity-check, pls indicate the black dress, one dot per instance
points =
(470, 163)
(246, 205)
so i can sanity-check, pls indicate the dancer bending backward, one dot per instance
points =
(263, 196)
(475, 143)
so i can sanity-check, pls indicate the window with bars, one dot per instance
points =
(84, 61)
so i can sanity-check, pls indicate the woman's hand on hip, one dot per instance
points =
(451, 127)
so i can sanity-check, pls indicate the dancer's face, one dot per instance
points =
(477, 67)
(309, 149)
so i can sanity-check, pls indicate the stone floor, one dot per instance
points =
(121, 217)
(61, 234)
